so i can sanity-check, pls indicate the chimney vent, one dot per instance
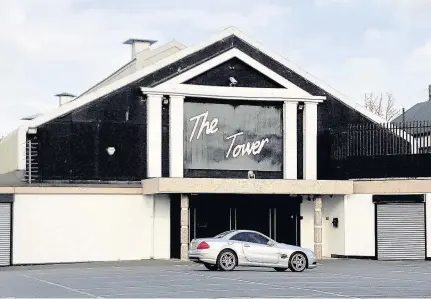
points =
(139, 45)
(64, 98)
(429, 92)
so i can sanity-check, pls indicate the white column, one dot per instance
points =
(318, 227)
(176, 136)
(184, 233)
(290, 159)
(151, 208)
(154, 136)
(310, 141)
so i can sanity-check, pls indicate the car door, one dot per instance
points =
(257, 250)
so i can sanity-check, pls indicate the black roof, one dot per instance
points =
(419, 112)
(417, 119)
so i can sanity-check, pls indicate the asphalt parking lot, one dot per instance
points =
(174, 279)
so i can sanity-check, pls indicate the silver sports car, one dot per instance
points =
(249, 248)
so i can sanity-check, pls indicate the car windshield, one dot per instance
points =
(223, 234)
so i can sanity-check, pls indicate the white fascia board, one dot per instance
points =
(231, 93)
(234, 53)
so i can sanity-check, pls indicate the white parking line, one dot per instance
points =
(409, 272)
(393, 287)
(381, 278)
(61, 286)
(279, 286)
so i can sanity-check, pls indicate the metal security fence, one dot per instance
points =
(378, 151)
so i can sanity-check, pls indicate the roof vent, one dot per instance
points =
(429, 92)
(64, 98)
(139, 45)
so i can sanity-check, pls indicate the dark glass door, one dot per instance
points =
(286, 221)
(286, 227)
(209, 217)
(253, 213)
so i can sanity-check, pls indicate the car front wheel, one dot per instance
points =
(226, 260)
(298, 262)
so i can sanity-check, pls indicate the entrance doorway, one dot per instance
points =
(273, 215)
(208, 216)
(287, 222)
(252, 213)
(175, 213)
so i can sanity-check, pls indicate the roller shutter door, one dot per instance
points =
(401, 231)
(5, 233)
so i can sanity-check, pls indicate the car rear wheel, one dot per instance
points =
(211, 267)
(226, 260)
(298, 262)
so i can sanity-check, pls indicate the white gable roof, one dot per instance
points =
(141, 60)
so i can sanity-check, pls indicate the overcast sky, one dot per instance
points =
(357, 46)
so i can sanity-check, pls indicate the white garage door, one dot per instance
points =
(401, 231)
(5, 232)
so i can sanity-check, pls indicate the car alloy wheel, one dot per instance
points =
(298, 262)
(227, 260)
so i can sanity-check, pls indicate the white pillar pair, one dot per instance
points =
(291, 138)
(154, 136)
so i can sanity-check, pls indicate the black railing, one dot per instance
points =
(389, 138)
(379, 151)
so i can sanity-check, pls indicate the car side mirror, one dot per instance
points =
(270, 243)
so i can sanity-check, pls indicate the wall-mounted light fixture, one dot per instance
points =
(32, 131)
(233, 81)
(300, 106)
(110, 150)
(165, 101)
(251, 174)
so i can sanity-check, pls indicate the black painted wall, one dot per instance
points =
(73, 147)
(165, 138)
(300, 143)
(245, 75)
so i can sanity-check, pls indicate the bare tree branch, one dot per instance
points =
(383, 106)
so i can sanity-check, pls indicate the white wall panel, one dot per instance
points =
(55, 228)
(162, 227)
(9, 153)
(360, 225)
(333, 237)
(307, 224)
(428, 223)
